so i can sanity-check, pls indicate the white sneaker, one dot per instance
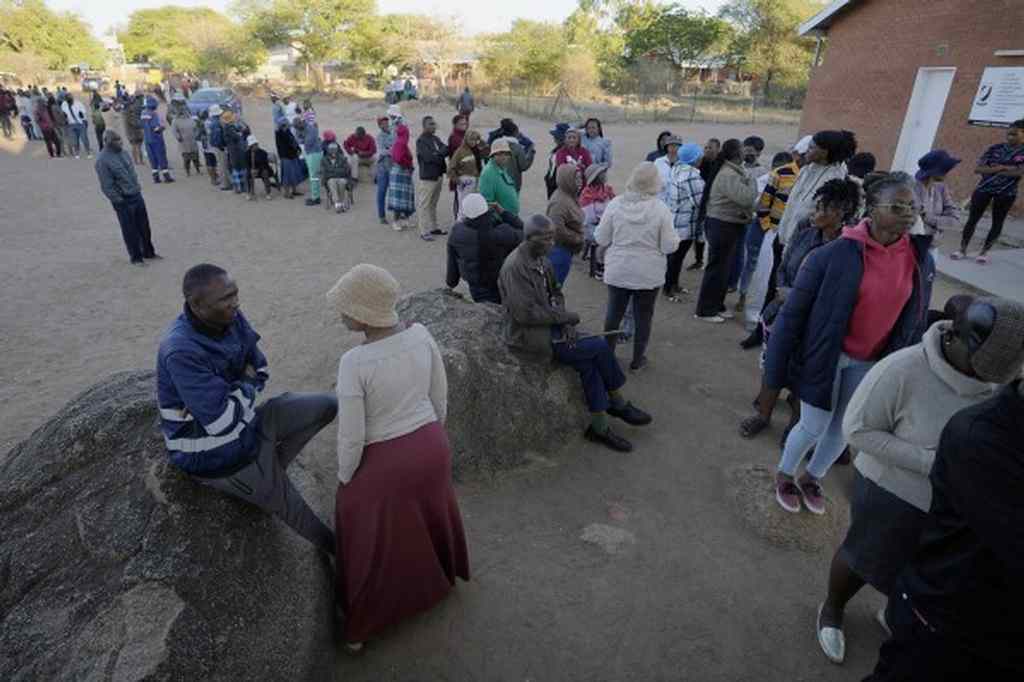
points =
(396, 226)
(728, 315)
(831, 640)
(713, 319)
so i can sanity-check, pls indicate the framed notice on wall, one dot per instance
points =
(1000, 97)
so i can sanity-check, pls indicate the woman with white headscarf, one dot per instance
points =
(637, 228)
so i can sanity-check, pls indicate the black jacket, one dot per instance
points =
(430, 155)
(476, 249)
(966, 578)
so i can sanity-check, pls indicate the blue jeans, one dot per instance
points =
(81, 137)
(752, 245)
(383, 180)
(561, 261)
(823, 429)
(599, 371)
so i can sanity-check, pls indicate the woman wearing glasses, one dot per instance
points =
(856, 300)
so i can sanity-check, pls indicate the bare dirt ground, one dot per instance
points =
(664, 564)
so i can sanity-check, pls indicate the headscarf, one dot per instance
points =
(329, 136)
(466, 148)
(690, 153)
(400, 152)
(644, 179)
(455, 139)
(597, 193)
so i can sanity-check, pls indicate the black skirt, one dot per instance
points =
(883, 535)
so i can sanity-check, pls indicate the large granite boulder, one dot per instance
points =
(502, 405)
(114, 566)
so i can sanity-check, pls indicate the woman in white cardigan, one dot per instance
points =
(400, 542)
(637, 229)
(894, 420)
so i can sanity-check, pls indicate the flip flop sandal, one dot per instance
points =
(751, 426)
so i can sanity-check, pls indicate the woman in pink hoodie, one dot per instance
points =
(856, 300)
(401, 199)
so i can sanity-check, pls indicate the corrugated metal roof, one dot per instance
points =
(820, 22)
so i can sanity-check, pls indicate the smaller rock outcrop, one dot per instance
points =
(501, 404)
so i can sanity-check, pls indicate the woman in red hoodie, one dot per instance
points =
(401, 199)
(573, 152)
(856, 300)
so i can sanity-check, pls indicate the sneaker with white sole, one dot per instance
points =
(831, 640)
(727, 314)
(787, 494)
(713, 319)
(813, 496)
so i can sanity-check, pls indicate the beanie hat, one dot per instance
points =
(1000, 357)
(690, 153)
(803, 145)
(367, 293)
(251, 140)
(330, 136)
(644, 179)
(474, 205)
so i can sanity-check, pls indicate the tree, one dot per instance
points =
(532, 52)
(320, 30)
(61, 40)
(766, 42)
(671, 33)
(198, 40)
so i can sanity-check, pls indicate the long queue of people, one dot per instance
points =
(836, 265)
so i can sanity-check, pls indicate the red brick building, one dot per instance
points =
(908, 76)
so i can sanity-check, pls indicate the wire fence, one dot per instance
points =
(692, 107)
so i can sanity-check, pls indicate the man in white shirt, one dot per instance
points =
(78, 124)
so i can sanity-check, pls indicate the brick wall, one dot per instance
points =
(873, 53)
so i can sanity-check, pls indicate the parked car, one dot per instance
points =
(95, 82)
(203, 99)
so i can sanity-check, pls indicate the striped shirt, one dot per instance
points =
(1001, 155)
(775, 195)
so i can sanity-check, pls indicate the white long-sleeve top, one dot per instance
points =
(387, 389)
(638, 231)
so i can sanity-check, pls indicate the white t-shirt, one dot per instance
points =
(387, 389)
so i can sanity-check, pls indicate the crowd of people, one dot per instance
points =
(832, 262)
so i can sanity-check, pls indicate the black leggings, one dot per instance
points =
(675, 262)
(643, 313)
(1001, 206)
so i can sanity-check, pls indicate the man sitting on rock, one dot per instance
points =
(209, 372)
(479, 244)
(537, 322)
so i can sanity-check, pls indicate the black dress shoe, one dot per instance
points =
(755, 339)
(609, 439)
(138, 261)
(630, 414)
(155, 256)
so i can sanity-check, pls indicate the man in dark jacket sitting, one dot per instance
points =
(478, 245)
(210, 372)
(537, 322)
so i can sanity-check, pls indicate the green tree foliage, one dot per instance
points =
(28, 28)
(673, 34)
(531, 53)
(198, 40)
(766, 44)
(396, 39)
(321, 30)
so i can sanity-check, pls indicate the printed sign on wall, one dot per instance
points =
(1000, 97)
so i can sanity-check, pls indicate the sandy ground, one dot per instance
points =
(587, 566)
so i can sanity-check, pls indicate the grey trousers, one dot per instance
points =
(222, 167)
(287, 423)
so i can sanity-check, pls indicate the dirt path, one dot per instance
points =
(589, 566)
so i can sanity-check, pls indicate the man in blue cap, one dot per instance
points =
(558, 134)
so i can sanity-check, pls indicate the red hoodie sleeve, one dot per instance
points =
(350, 144)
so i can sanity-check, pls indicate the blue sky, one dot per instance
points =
(475, 16)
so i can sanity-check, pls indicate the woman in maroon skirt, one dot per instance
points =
(399, 530)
